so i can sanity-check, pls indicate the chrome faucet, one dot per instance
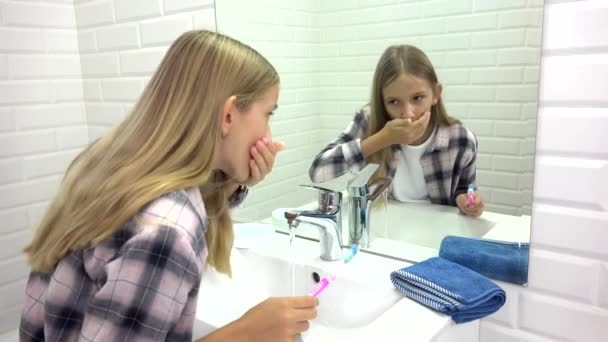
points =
(361, 200)
(327, 218)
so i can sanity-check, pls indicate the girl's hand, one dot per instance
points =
(405, 131)
(279, 319)
(263, 155)
(473, 210)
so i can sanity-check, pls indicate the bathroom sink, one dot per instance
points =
(349, 302)
(360, 305)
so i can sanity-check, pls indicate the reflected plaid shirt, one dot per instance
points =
(448, 163)
(141, 284)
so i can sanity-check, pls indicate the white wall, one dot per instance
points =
(42, 127)
(486, 53)
(567, 296)
(285, 33)
(51, 53)
(121, 43)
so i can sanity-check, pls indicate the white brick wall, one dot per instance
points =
(486, 53)
(42, 127)
(284, 32)
(63, 65)
(121, 43)
(566, 299)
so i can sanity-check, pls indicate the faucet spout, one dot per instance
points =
(329, 227)
(361, 203)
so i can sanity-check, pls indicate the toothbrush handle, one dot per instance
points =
(319, 288)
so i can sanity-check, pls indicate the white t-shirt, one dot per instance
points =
(409, 184)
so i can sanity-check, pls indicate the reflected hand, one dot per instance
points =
(473, 210)
(405, 131)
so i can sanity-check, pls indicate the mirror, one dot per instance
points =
(486, 56)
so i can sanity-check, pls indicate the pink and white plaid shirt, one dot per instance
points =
(140, 284)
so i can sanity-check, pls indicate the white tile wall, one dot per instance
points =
(121, 44)
(567, 298)
(284, 32)
(42, 126)
(68, 72)
(486, 53)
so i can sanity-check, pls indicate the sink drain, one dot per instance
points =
(316, 277)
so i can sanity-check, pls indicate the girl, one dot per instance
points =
(406, 130)
(141, 211)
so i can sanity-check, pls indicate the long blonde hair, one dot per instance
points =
(400, 60)
(168, 142)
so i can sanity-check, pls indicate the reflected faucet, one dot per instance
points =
(327, 218)
(361, 200)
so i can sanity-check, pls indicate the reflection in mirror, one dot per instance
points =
(440, 94)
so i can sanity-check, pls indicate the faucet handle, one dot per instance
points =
(317, 187)
(363, 176)
(379, 187)
(329, 200)
(358, 187)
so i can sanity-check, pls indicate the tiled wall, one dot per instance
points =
(286, 33)
(567, 296)
(121, 44)
(42, 127)
(64, 64)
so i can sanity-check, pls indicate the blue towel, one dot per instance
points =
(499, 260)
(450, 288)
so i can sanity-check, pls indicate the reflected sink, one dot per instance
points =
(349, 302)
(425, 224)
(421, 224)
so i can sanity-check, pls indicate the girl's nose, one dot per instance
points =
(407, 113)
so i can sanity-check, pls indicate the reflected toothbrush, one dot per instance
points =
(322, 285)
(353, 251)
(471, 194)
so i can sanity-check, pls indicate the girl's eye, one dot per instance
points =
(418, 98)
(393, 102)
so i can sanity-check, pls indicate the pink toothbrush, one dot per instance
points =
(322, 285)
(471, 194)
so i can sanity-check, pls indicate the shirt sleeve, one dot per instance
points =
(468, 170)
(149, 291)
(237, 198)
(343, 153)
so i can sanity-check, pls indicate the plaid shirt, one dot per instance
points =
(140, 284)
(448, 163)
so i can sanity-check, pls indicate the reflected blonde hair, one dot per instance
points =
(400, 60)
(168, 142)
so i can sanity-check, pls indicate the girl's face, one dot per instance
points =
(242, 129)
(408, 97)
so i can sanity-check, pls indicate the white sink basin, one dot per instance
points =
(339, 305)
(361, 301)
(257, 277)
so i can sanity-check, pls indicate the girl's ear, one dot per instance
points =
(437, 93)
(228, 112)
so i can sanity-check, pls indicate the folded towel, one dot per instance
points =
(449, 288)
(500, 260)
